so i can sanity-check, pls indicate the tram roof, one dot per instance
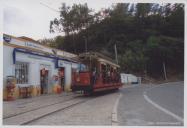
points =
(100, 57)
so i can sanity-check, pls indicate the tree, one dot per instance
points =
(56, 42)
(143, 9)
(146, 35)
(120, 10)
(72, 19)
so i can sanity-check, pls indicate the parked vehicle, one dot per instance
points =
(96, 72)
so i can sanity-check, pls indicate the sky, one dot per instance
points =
(32, 18)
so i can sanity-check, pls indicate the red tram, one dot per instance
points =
(96, 72)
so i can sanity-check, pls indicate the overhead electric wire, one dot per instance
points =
(49, 7)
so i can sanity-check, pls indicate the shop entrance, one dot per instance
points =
(44, 80)
(62, 78)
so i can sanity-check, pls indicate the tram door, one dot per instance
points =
(62, 78)
(44, 80)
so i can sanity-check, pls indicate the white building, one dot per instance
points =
(128, 78)
(35, 65)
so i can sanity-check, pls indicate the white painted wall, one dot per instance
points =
(8, 67)
(128, 78)
(35, 62)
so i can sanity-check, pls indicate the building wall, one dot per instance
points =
(128, 78)
(36, 63)
(68, 70)
(8, 67)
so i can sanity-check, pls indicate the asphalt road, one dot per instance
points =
(96, 111)
(141, 105)
(152, 105)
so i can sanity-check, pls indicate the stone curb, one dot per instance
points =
(114, 112)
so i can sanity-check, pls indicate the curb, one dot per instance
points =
(114, 112)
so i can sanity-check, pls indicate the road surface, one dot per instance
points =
(152, 105)
(96, 111)
(129, 106)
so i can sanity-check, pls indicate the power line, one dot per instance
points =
(49, 7)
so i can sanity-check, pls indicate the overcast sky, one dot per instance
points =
(31, 18)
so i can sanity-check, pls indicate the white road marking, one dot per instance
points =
(114, 112)
(168, 83)
(161, 108)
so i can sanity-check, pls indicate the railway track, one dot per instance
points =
(27, 117)
(68, 107)
(33, 109)
(34, 114)
(34, 99)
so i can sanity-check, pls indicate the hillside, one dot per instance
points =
(148, 37)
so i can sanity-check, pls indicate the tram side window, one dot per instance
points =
(21, 72)
(104, 73)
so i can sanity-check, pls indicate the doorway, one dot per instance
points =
(62, 78)
(44, 80)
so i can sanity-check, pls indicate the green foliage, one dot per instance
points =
(72, 19)
(143, 9)
(153, 43)
(134, 58)
(165, 49)
(120, 10)
(146, 34)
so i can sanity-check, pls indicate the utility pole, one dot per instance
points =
(74, 46)
(116, 53)
(164, 68)
(86, 47)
